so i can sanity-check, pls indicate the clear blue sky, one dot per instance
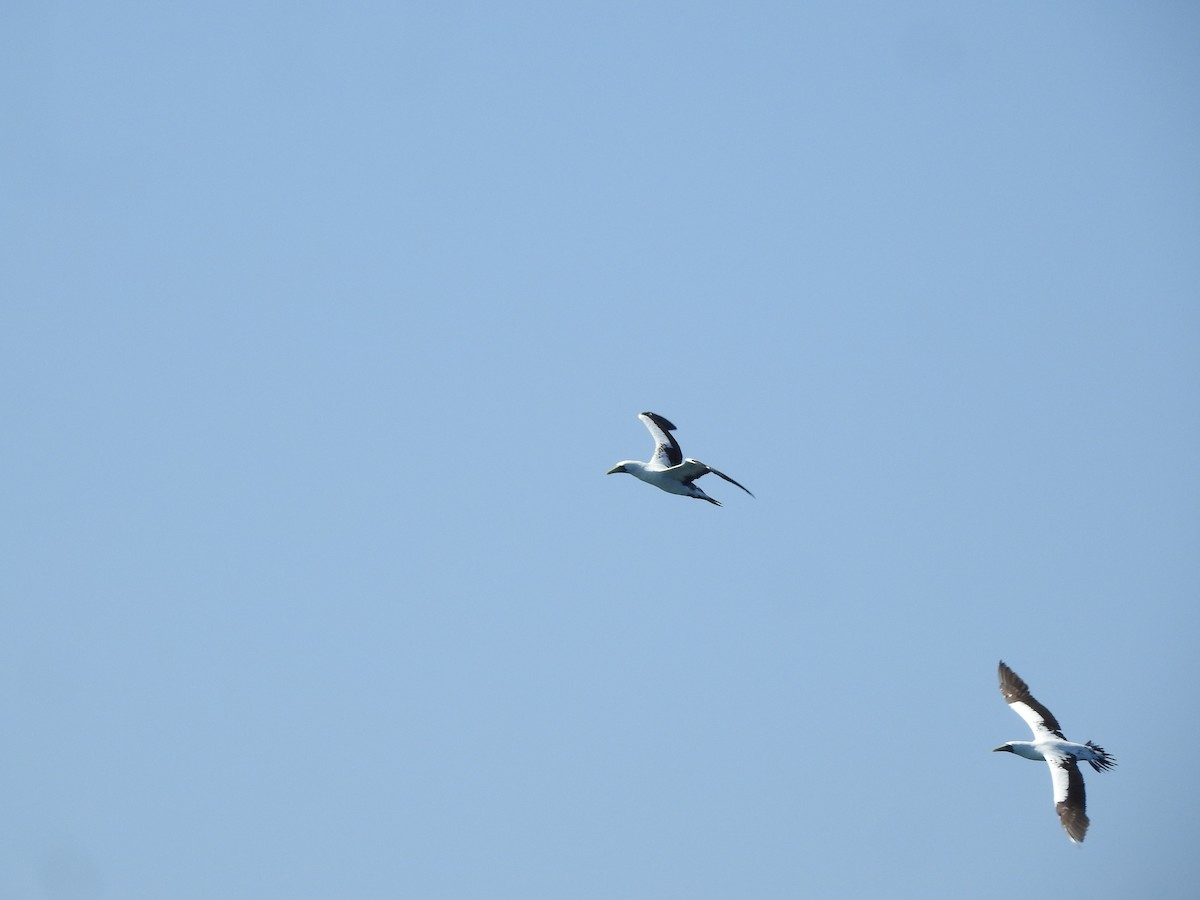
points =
(323, 322)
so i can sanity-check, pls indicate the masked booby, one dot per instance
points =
(667, 469)
(1050, 746)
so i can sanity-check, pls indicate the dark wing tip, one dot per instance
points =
(1012, 686)
(730, 480)
(660, 421)
(1074, 822)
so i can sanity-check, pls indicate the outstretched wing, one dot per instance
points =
(1037, 717)
(1070, 799)
(691, 469)
(666, 448)
(730, 480)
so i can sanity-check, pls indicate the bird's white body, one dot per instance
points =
(1048, 748)
(671, 479)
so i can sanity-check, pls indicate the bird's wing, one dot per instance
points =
(1070, 799)
(730, 480)
(691, 469)
(1037, 717)
(666, 448)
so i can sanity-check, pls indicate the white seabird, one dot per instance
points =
(667, 469)
(1050, 746)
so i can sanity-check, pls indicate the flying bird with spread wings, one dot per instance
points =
(667, 469)
(1050, 746)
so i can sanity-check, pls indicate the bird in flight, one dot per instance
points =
(1050, 746)
(667, 469)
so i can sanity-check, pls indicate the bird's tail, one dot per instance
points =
(1103, 760)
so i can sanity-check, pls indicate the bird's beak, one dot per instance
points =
(614, 470)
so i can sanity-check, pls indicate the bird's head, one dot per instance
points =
(1006, 746)
(619, 467)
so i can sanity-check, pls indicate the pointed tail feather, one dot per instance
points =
(1103, 761)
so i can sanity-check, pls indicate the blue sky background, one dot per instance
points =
(324, 321)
